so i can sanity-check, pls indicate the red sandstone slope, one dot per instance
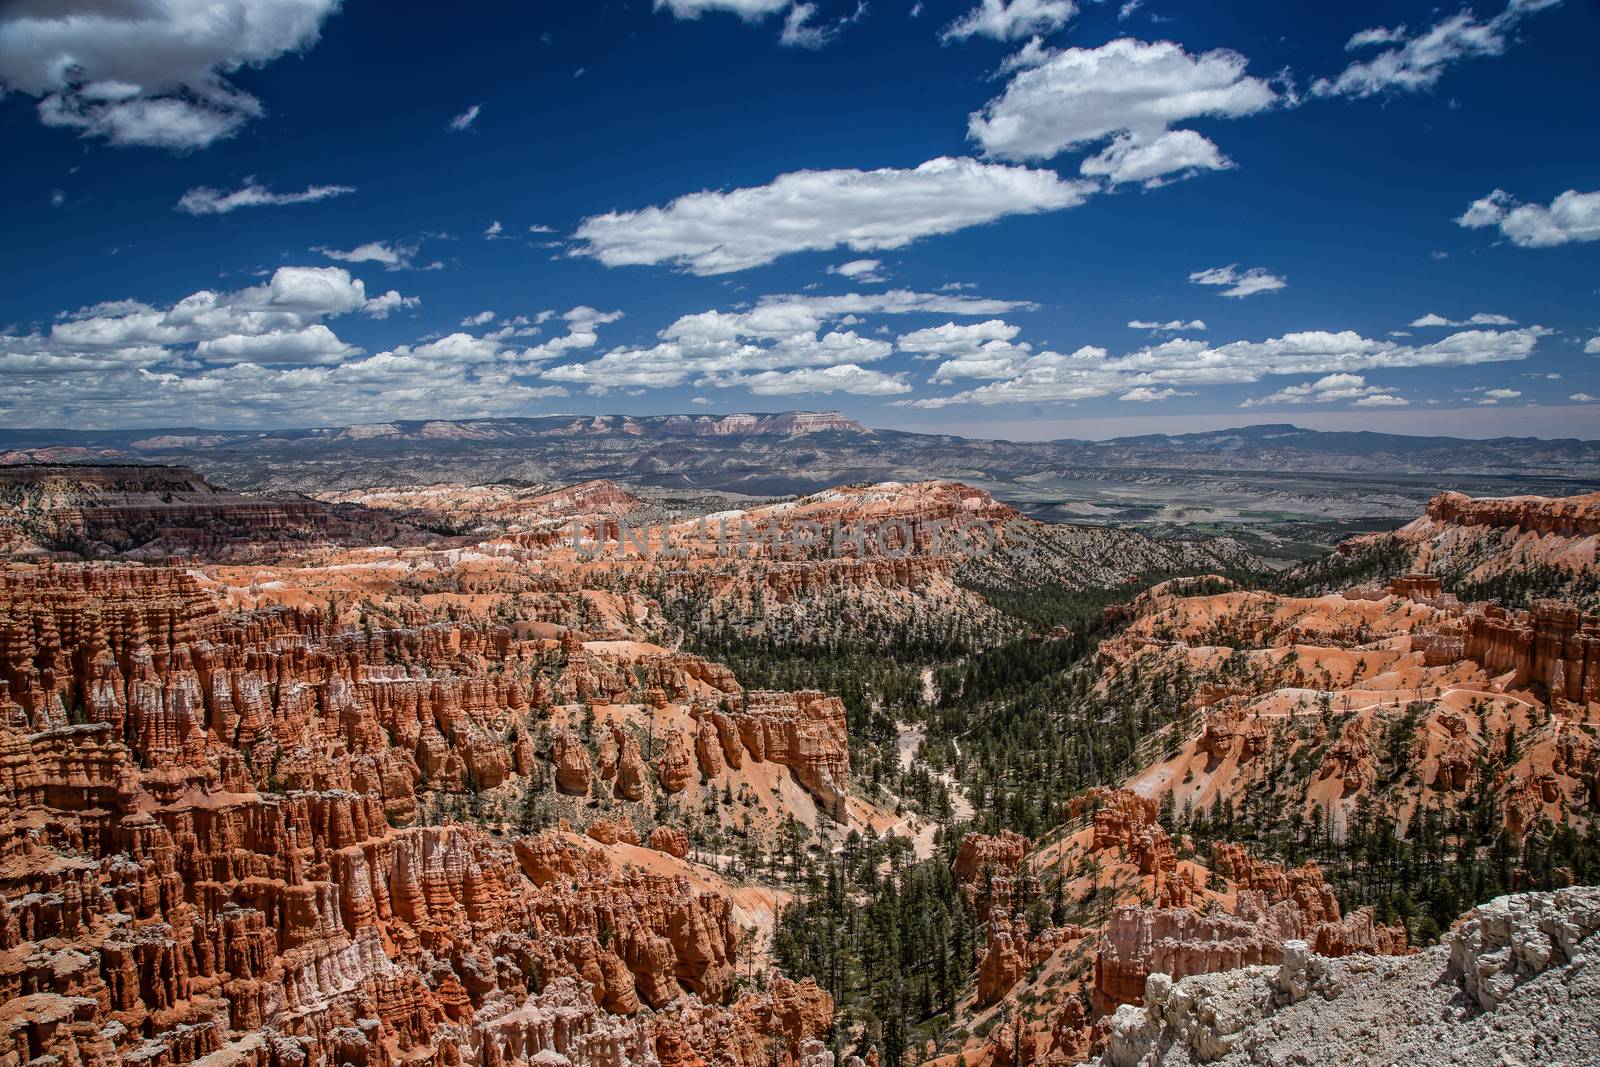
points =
(1385, 698)
(1480, 539)
(209, 839)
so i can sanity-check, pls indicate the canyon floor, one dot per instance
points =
(456, 772)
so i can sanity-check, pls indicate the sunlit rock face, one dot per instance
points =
(210, 841)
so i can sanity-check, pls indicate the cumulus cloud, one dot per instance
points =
(465, 120)
(1494, 396)
(1128, 91)
(1331, 389)
(781, 333)
(983, 350)
(256, 357)
(150, 72)
(1581, 398)
(204, 200)
(1375, 36)
(1239, 284)
(1144, 394)
(1174, 326)
(953, 338)
(1172, 156)
(818, 210)
(1335, 358)
(1001, 20)
(800, 31)
(395, 255)
(820, 309)
(1482, 318)
(860, 270)
(482, 318)
(279, 321)
(1421, 60)
(1571, 217)
(1591, 347)
(842, 378)
(311, 344)
(750, 10)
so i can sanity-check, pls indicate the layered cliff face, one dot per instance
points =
(1311, 694)
(916, 557)
(1481, 540)
(152, 512)
(1270, 906)
(211, 838)
(1569, 517)
(536, 513)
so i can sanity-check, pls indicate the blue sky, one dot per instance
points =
(945, 215)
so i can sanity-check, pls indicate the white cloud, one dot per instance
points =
(890, 302)
(1375, 36)
(482, 318)
(1582, 398)
(953, 338)
(57, 197)
(1336, 357)
(261, 356)
(493, 230)
(1004, 21)
(861, 270)
(983, 350)
(150, 72)
(780, 333)
(390, 255)
(311, 344)
(1571, 217)
(1421, 60)
(750, 10)
(380, 306)
(1127, 90)
(800, 32)
(1172, 156)
(465, 120)
(1591, 347)
(818, 210)
(1482, 318)
(1125, 12)
(1494, 396)
(206, 201)
(280, 321)
(843, 378)
(1329, 389)
(1174, 326)
(1144, 394)
(1239, 283)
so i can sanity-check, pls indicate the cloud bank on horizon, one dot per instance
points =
(950, 207)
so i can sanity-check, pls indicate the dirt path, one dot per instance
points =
(923, 830)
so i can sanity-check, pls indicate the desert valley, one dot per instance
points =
(404, 774)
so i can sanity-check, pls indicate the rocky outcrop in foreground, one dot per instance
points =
(1517, 982)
